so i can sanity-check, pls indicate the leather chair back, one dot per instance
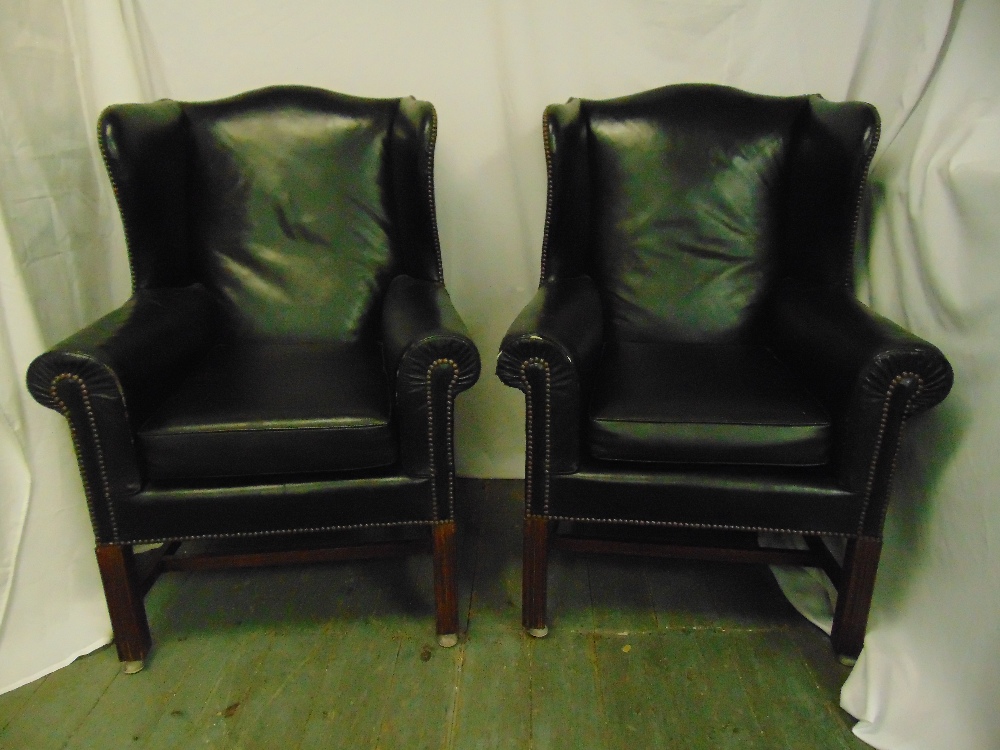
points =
(695, 200)
(289, 204)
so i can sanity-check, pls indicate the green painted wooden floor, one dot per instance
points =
(641, 654)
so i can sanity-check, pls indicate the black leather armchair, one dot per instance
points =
(287, 366)
(695, 365)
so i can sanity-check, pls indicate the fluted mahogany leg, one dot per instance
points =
(446, 602)
(854, 598)
(125, 604)
(534, 572)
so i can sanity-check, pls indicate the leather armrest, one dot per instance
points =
(107, 377)
(556, 340)
(870, 372)
(429, 356)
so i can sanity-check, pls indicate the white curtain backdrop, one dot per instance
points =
(928, 675)
(61, 265)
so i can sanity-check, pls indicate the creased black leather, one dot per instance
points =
(422, 333)
(291, 212)
(559, 330)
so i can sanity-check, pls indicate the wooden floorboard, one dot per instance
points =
(494, 691)
(567, 712)
(349, 695)
(642, 653)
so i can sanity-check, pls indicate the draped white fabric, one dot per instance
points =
(61, 265)
(928, 675)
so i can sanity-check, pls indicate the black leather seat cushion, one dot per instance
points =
(703, 403)
(254, 409)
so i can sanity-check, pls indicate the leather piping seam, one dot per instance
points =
(870, 484)
(277, 532)
(264, 429)
(431, 205)
(529, 469)
(549, 200)
(852, 238)
(118, 200)
(450, 456)
(87, 489)
(686, 525)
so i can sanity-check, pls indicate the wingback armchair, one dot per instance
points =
(695, 364)
(287, 365)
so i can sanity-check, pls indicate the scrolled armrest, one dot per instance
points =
(556, 341)
(107, 377)
(420, 326)
(431, 359)
(871, 373)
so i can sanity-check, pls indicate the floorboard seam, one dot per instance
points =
(392, 681)
(456, 704)
(531, 694)
(598, 690)
(76, 728)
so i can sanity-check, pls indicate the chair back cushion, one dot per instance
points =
(687, 189)
(290, 211)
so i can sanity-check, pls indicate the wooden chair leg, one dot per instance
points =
(854, 598)
(445, 599)
(125, 604)
(534, 575)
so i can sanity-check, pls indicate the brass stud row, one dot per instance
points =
(78, 449)
(529, 467)
(849, 270)
(302, 530)
(118, 200)
(430, 192)
(549, 199)
(449, 427)
(883, 423)
(684, 525)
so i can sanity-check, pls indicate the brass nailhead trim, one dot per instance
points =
(529, 467)
(449, 427)
(683, 525)
(118, 200)
(250, 534)
(87, 489)
(869, 486)
(430, 192)
(852, 238)
(546, 132)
